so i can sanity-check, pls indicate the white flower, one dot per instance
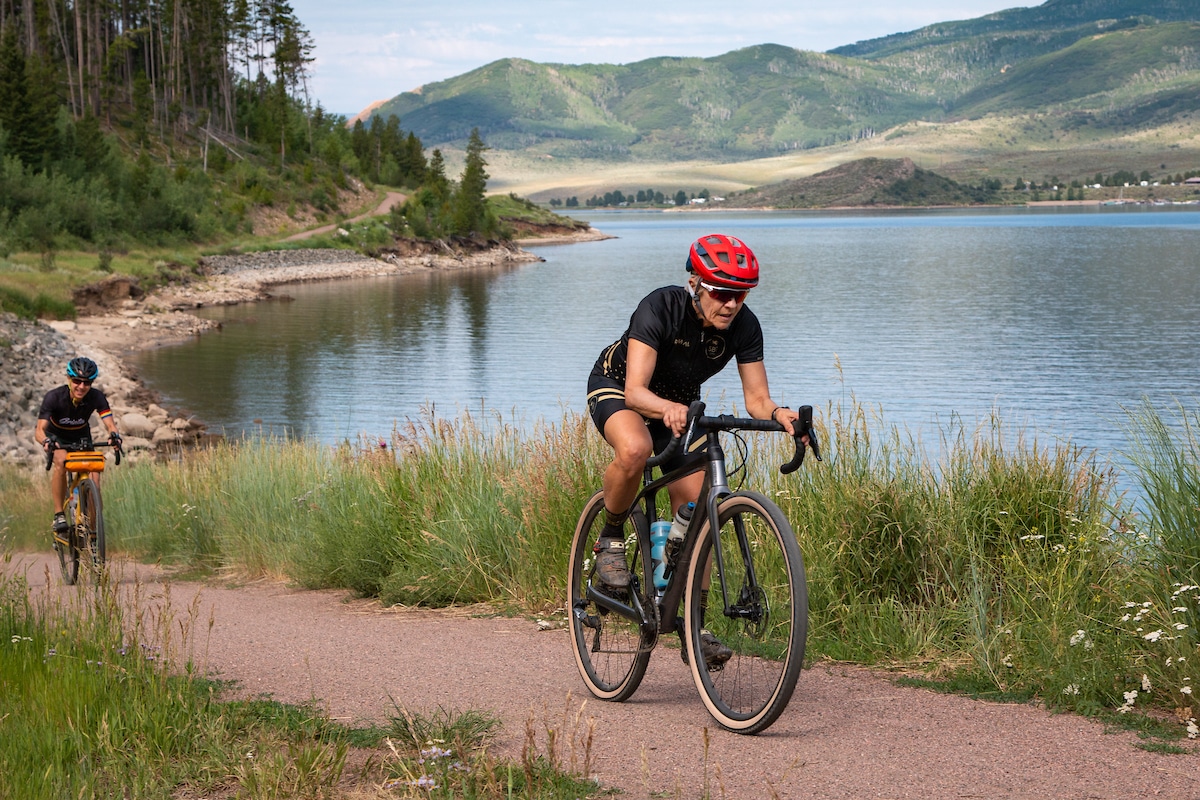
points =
(1131, 697)
(1192, 730)
(1153, 636)
(1179, 610)
(1072, 688)
(1078, 636)
(1032, 537)
(1126, 618)
(1185, 690)
(1181, 626)
(1145, 683)
(1007, 660)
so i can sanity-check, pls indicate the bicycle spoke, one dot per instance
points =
(610, 648)
(757, 607)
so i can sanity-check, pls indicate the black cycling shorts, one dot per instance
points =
(606, 397)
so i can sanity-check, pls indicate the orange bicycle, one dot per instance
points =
(83, 509)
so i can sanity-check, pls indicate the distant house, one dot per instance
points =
(1192, 181)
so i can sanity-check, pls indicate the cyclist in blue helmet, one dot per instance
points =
(65, 417)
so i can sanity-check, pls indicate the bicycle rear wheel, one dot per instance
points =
(91, 527)
(67, 545)
(757, 605)
(611, 649)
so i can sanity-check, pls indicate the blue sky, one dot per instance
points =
(370, 50)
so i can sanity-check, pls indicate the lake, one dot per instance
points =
(1055, 319)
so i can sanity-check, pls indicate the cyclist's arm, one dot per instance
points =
(41, 432)
(758, 396)
(109, 423)
(639, 368)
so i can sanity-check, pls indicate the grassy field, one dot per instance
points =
(969, 151)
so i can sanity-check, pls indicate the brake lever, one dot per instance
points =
(802, 427)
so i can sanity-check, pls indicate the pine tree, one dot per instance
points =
(470, 205)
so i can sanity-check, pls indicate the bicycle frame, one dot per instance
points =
(665, 617)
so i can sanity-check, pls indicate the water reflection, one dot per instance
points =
(1056, 320)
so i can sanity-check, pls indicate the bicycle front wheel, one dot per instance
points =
(90, 533)
(67, 545)
(747, 588)
(611, 649)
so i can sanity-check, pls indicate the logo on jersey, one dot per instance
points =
(714, 348)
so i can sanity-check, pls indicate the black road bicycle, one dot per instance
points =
(741, 578)
(83, 510)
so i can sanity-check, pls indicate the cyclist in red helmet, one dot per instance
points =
(641, 385)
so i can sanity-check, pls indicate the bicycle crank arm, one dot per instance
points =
(614, 606)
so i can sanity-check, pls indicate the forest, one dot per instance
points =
(156, 121)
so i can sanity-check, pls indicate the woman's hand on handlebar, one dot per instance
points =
(787, 418)
(676, 418)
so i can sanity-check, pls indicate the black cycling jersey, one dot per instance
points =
(688, 353)
(70, 422)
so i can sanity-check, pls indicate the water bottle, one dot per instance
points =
(658, 545)
(678, 530)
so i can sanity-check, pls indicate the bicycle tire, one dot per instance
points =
(767, 624)
(611, 651)
(68, 551)
(91, 531)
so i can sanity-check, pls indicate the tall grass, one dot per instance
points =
(446, 512)
(995, 560)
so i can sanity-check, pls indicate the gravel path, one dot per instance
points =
(848, 732)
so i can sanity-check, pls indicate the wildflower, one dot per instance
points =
(1032, 537)
(1192, 730)
(1185, 690)
(1131, 697)
(1078, 636)
(1126, 618)
(1179, 610)
(1145, 683)
(1153, 636)
(1007, 660)
(18, 638)
(1072, 688)
(1181, 626)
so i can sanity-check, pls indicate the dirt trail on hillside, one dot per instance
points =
(391, 199)
(848, 732)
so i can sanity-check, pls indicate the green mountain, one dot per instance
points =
(1115, 64)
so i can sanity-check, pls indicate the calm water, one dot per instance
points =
(1054, 319)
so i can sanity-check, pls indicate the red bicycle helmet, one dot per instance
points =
(723, 261)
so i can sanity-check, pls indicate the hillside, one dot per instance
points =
(1126, 63)
(865, 182)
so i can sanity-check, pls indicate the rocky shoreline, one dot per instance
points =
(117, 319)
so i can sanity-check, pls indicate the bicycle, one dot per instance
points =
(83, 509)
(756, 579)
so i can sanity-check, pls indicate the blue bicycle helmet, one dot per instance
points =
(83, 369)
